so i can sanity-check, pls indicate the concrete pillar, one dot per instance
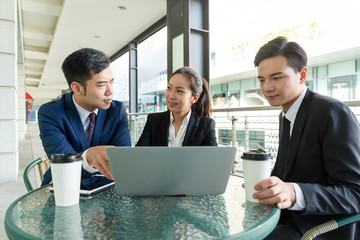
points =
(21, 121)
(188, 36)
(9, 158)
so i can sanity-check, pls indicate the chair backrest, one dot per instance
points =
(330, 225)
(43, 165)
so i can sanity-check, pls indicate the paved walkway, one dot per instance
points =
(29, 149)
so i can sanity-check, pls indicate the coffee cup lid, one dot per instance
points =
(65, 157)
(256, 154)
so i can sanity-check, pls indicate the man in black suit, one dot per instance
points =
(316, 176)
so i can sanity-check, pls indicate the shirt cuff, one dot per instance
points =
(86, 164)
(300, 199)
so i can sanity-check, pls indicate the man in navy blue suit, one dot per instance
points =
(65, 123)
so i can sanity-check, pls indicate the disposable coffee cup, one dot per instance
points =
(66, 175)
(256, 167)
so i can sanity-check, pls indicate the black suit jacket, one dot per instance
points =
(200, 131)
(324, 159)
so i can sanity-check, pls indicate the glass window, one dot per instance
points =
(224, 137)
(311, 72)
(322, 72)
(310, 84)
(342, 88)
(216, 88)
(342, 68)
(219, 99)
(234, 86)
(240, 140)
(234, 99)
(256, 139)
(242, 28)
(248, 83)
(120, 70)
(152, 72)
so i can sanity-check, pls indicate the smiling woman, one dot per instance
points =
(187, 122)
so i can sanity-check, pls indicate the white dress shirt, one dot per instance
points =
(177, 141)
(291, 115)
(84, 116)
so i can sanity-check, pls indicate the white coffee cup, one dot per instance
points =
(66, 175)
(256, 167)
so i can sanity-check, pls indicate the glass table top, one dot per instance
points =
(108, 215)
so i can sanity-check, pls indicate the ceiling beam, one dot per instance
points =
(28, 79)
(38, 33)
(33, 71)
(34, 65)
(31, 84)
(41, 8)
(36, 55)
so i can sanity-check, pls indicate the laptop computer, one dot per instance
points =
(156, 171)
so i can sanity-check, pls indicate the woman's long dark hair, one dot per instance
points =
(198, 86)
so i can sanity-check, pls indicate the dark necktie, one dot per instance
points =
(92, 117)
(284, 146)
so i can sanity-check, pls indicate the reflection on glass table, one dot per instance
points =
(110, 216)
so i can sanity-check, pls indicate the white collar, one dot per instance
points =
(83, 113)
(186, 119)
(291, 113)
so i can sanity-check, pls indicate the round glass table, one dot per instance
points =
(108, 215)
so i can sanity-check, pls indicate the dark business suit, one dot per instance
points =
(61, 131)
(324, 159)
(200, 131)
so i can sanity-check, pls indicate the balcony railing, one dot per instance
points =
(244, 127)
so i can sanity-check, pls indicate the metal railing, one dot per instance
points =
(244, 127)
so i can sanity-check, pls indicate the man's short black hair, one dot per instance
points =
(82, 64)
(295, 55)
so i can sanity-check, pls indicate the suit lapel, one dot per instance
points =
(99, 124)
(191, 129)
(75, 121)
(164, 129)
(274, 170)
(297, 130)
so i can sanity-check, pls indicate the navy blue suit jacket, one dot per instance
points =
(61, 131)
(200, 131)
(324, 159)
